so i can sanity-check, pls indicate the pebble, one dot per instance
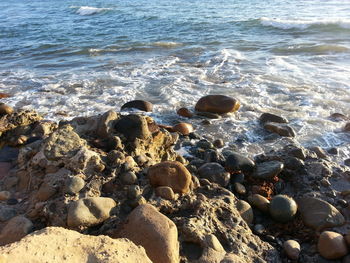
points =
(139, 104)
(333, 151)
(240, 189)
(184, 112)
(165, 192)
(129, 178)
(5, 109)
(283, 208)
(343, 203)
(217, 104)
(194, 136)
(325, 182)
(259, 229)
(332, 245)
(260, 202)
(218, 143)
(269, 117)
(204, 144)
(292, 249)
(215, 173)
(4, 195)
(319, 152)
(281, 129)
(237, 162)
(268, 170)
(183, 128)
(133, 191)
(245, 210)
(74, 184)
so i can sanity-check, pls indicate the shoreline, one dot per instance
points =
(95, 174)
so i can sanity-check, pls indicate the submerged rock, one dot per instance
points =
(217, 104)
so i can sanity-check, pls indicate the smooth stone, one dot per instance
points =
(165, 192)
(4, 195)
(292, 249)
(219, 143)
(239, 188)
(268, 170)
(138, 104)
(338, 117)
(5, 109)
(236, 162)
(217, 104)
(319, 214)
(245, 210)
(283, 208)
(183, 128)
(7, 213)
(204, 144)
(332, 245)
(15, 229)
(147, 227)
(89, 211)
(46, 191)
(133, 191)
(128, 178)
(215, 173)
(293, 163)
(269, 117)
(280, 129)
(347, 127)
(184, 112)
(319, 152)
(172, 174)
(74, 184)
(333, 151)
(260, 202)
(133, 126)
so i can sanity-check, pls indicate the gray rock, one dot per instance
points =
(319, 214)
(129, 178)
(105, 125)
(215, 173)
(239, 188)
(245, 210)
(7, 213)
(236, 162)
(133, 191)
(283, 208)
(74, 184)
(269, 117)
(281, 129)
(268, 170)
(133, 126)
(292, 249)
(89, 211)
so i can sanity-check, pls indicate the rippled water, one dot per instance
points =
(285, 57)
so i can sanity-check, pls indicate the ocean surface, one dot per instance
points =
(68, 58)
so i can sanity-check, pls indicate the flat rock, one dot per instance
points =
(89, 211)
(237, 162)
(332, 245)
(215, 173)
(280, 129)
(319, 214)
(56, 245)
(15, 229)
(269, 117)
(147, 227)
(170, 173)
(268, 170)
(138, 104)
(217, 104)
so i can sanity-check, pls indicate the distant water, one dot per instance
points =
(82, 57)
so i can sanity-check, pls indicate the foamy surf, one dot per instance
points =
(88, 10)
(304, 24)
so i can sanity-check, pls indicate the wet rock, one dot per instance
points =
(5, 109)
(133, 126)
(319, 214)
(146, 227)
(338, 117)
(293, 163)
(332, 245)
(245, 210)
(333, 151)
(319, 152)
(236, 162)
(268, 170)
(89, 211)
(280, 129)
(215, 173)
(260, 202)
(138, 104)
(269, 117)
(7, 213)
(74, 184)
(219, 143)
(283, 208)
(217, 104)
(165, 192)
(239, 188)
(347, 127)
(105, 125)
(183, 128)
(184, 112)
(172, 174)
(204, 144)
(292, 249)
(347, 162)
(208, 115)
(15, 229)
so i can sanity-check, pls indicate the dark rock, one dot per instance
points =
(283, 208)
(237, 178)
(212, 155)
(74, 184)
(217, 104)
(208, 115)
(184, 112)
(133, 126)
(319, 152)
(8, 154)
(219, 143)
(280, 129)
(236, 162)
(138, 104)
(204, 144)
(347, 127)
(268, 170)
(333, 151)
(293, 163)
(347, 162)
(7, 213)
(269, 117)
(215, 173)
(12, 201)
(338, 117)
(194, 136)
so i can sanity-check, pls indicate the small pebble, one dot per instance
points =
(324, 182)
(292, 249)
(343, 203)
(165, 192)
(129, 178)
(259, 229)
(333, 151)
(282, 208)
(219, 143)
(133, 191)
(332, 245)
(240, 189)
(4, 195)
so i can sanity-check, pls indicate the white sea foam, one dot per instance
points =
(166, 44)
(303, 24)
(88, 10)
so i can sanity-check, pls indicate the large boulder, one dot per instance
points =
(89, 211)
(56, 245)
(147, 227)
(217, 104)
(170, 173)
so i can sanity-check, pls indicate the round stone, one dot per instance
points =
(245, 210)
(184, 112)
(259, 202)
(332, 245)
(138, 104)
(292, 249)
(5, 109)
(217, 104)
(283, 208)
(183, 128)
(129, 178)
(219, 143)
(4, 195)
(165, 192)
(239, 188)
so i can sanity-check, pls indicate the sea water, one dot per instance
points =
(292, 58)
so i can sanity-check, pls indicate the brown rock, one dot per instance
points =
(245, 210)
(4, 95)
(165, 192)
(15, 229)
(184, 112)
(4, 195)
(138, 104)
(217, 104)
(292, 249)
(347, 127)
(259, 202)
(280, 129)
(56, 245)
(5, 168)
(183, 128)
(332, 245)
(172, 174)
(5, 109)
(338, 117)
(147, 227)
(269, 117)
